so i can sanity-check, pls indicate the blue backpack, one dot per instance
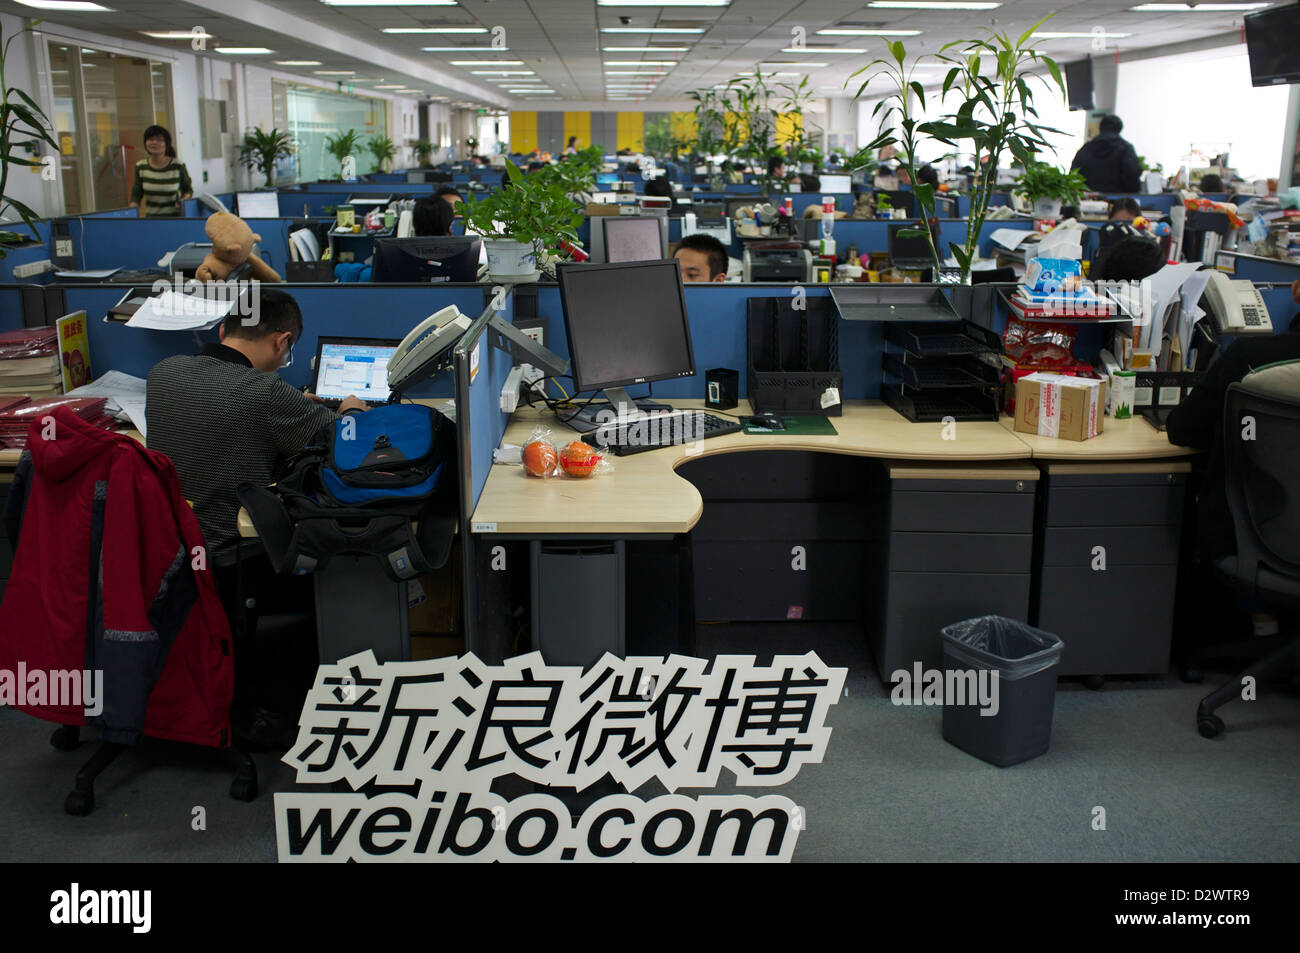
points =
(381, 482)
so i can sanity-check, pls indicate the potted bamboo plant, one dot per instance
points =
(523, 221)
(22, 124)
(383, 149)
(260, 151)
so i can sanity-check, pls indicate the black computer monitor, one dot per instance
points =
(904, 249)
(423, 260)
(626, 324)
(709, 214)
(632, 238)
(900, 199)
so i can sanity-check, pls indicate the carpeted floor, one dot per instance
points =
(890, 788)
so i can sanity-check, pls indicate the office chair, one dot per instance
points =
(1262, 480)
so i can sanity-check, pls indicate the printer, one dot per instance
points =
(777, 262)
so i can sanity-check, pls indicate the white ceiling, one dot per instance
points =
(561, 43)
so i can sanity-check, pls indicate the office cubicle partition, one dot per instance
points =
(140, 243)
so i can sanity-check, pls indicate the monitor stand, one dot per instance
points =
(620, 410)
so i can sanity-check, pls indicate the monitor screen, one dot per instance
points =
(1271, 46)
(710, 214)
(357, 367)
(1078, 84)
(626, 323)
(258, 204)
(907, 249)
(836, 183)
(607, 178)
(633, 238)
(422, 260)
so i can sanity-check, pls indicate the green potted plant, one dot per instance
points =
(342, 145)
(471, 143)
(1047, 187)
(523, 221)
(260, 151)
(423, 150)
(383, 149)
(23, 127)
(993, 81)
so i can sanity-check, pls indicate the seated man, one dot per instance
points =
(1131, 258)
(1198, 422)
(703, 258)
(225, 416)
(432, 216)
(449, 194)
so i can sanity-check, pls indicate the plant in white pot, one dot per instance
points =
(1047, 187)
(523, 221)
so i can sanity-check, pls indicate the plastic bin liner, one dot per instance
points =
(1014, 649)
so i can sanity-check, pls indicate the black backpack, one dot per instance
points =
(381, 483)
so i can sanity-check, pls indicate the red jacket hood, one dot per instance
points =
(75, 444)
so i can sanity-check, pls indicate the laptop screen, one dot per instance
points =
(359, 368)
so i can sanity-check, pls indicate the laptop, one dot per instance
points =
(908, 253)
(356, 366)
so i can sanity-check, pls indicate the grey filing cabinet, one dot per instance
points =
(781, 535)
(960, 544)
(1109, 566)
(578, 599)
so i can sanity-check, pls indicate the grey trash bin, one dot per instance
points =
(1024, 659)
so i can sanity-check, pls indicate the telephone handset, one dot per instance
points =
(1237, 306)
(417, 356)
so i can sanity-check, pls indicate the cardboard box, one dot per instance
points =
(1054, 405)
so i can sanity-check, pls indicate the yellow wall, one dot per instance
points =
(631, 131)
(787, 125)
(578, 124)
(683, 125)
(523, 131)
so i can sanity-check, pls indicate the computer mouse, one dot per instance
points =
(767, 421)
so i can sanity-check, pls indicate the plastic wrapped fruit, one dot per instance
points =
(540, 458)
(579, 459)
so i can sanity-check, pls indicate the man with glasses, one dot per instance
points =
(225, 417)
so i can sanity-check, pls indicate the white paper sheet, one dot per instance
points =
(125, 393)
(1011, 238)
(92, 275)
(170, 311)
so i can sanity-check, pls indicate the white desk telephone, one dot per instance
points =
(1237, 306)
(417, 356)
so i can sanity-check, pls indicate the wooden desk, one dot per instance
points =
(644, 496)
(1132, 439)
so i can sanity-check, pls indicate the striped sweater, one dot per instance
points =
(160, 188)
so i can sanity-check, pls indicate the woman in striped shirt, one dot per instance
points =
(161, 183)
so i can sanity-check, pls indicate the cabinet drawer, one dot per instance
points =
(1128, 505)
(758, 581)
(791, 522)
(960, 552)
(1072, 547)
(919, 604)
(1113, 622)
(957, 512)
(778, 475)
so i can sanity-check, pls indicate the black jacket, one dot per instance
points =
(1109, 164)
(1198, 422)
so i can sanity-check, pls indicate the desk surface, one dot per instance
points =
(644, 495)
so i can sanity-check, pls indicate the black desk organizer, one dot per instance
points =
(793, 356)
(939, 369)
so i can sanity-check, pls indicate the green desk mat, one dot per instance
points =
(800, 425)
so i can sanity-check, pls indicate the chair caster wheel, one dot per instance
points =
(80, 803)
(1095, 682)
(1191, 673)
(66, 738)
(1210, 726)
(243, 789)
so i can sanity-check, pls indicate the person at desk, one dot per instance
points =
(1131, 258)
(226, 417)
(161, 183)
(432, 217)
(450, 195)
(1109, 163)
(926, 175)
(703, 258)
(1124, 209)
(776, 168)
(571, 149)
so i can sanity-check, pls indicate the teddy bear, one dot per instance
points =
(232, 245)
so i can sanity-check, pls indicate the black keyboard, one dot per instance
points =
(333, 403)
(671, 429)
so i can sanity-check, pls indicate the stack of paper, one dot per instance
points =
(170, 311)
(124, 395)
(15, 421)
(29, 362)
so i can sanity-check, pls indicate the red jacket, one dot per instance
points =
(110, 574)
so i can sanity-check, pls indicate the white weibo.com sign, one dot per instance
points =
(420, 743)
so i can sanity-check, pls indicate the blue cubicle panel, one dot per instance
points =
(27, 254)
(487, 423)
(11, 308)
(142, 242)
(378, 311)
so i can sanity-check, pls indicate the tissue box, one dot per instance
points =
(1121, 393)
(1053, 276)
(1053, 405)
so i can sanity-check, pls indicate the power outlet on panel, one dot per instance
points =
(535, 328)
(33, 268)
